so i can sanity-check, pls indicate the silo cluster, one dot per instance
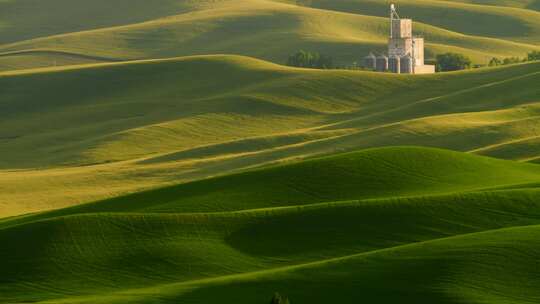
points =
(395, 64)
(405, 52)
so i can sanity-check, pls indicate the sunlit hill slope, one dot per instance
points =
(267, 29)
(141, 124)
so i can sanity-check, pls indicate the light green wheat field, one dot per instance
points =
(160, 152)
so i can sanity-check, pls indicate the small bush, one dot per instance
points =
(511, 60)
(278, 299)
(534, 55)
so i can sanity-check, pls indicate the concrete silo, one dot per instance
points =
(394, 64)
(382, 63)
(370, 62)
(407, 64)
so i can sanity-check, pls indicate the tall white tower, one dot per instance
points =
(402, 43)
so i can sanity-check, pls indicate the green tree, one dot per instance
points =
(312, 60)
(494, 62)
(452, 62)
(534, 55)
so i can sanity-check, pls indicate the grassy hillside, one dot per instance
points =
(157, 152)
(527, 4)
(292, 231)
(25, 19)
(267, 29)
(43, 59)
(150, 123)
(472, 19)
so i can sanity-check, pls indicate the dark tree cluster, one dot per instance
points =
(313, 60)
(452, 62)
(533, 56)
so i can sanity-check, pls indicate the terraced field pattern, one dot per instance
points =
(160, 152)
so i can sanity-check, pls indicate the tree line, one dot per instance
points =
(314, 60)
(454, 61)
(532, 56)
(443, 62)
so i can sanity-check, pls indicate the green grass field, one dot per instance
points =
(266, 29)
(158, 152)
(387, 224)
(149, 123)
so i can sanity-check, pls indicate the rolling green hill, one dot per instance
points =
(24, 19)
(442, 224)
(528, 4)
(157, 152)
(131, 126)
(266, 29)
(471, 19)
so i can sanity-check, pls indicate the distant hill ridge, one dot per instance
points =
(266, 29)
